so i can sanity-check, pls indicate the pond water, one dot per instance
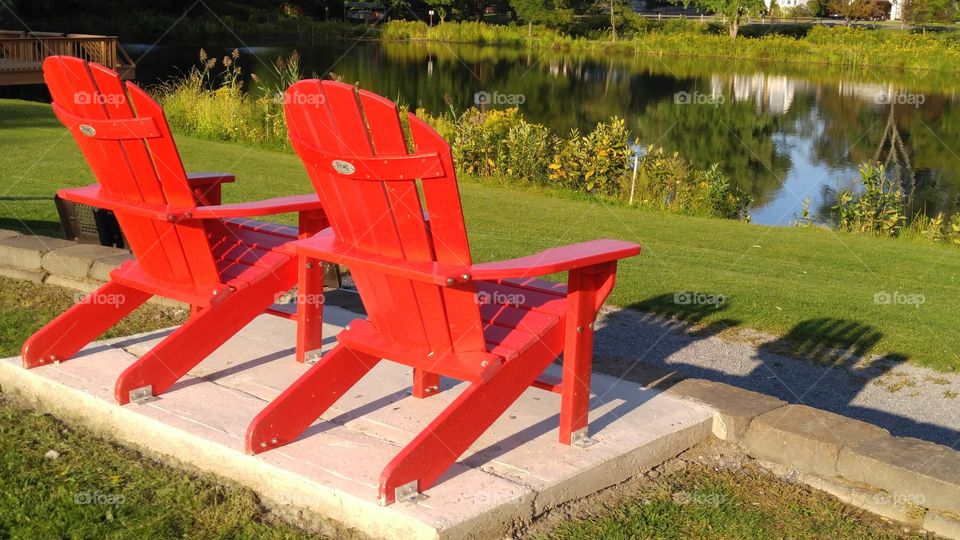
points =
(783, 133)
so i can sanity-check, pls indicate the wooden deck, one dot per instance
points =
(22, 54)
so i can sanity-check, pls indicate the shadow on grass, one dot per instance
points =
(23, 114)
(32, 226)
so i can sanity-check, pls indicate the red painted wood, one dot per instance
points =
(557, 260)
(310, 300)
(62, 337)
(313, 393)
(445, 439)
(189, 344)
(391, 167)
(68, 80)
(577, 354)
(121, 129)
(228, 270)
(429, 306)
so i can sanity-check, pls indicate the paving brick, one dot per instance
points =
(945, 525)
(805, 438)
(27, 251)
(734, 408)
(35, 276)
(913, 470)
(75, 261)
(876, 501)
(78, 284)
(101, 267)
(7, 233)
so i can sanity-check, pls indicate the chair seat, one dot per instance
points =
(247, 249)
(517, 313)
(244, 250)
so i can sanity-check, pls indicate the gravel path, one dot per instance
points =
(906, 400)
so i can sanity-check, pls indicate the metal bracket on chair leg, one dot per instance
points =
(580, 438)
(311, 357)
(142, 394)
(406, 492)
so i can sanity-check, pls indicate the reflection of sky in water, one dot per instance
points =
(807, 179)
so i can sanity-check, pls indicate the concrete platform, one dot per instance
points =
(516, 470)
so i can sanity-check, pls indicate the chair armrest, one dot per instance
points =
(207, 178)
(206, 186)
(558, 259)
(277, 205)
(324, 246)
(93, 196)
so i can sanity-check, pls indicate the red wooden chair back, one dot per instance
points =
(125, 138)
(342, 135)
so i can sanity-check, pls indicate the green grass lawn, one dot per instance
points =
(706, 502)
(776, 279)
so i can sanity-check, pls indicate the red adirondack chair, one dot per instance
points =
(187, 245)
(428, 305)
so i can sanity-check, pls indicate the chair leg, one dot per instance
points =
(425, 383)
(287, 416)
(310, 274)
(189, 344)
(577, 355)
(62, 337)
(436, 448)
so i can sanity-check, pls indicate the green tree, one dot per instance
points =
(928, 11)
(731, 10)
(553, 13)
(855, 10)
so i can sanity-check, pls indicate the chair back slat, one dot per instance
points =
(128, 170)
(413, 240)
(384, 217)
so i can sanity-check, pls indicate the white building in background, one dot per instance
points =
(770, 93)
(896, 10)
(785, 4)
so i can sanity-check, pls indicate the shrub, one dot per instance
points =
(213, 105)
(671, 183)
(596, 163)
(879, 209)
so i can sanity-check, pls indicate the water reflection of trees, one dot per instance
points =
(916, 143)
(733, 134)
(566, 90)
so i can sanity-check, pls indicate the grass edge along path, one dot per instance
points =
(901, 295)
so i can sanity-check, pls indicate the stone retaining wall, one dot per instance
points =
(908, 480)
(901, 478)
(42, 259)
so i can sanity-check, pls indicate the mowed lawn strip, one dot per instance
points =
(780, 280)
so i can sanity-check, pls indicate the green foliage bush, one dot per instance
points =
(501, 144)
(669, 182)
(879, 209)
(878, 206)
(213, 104)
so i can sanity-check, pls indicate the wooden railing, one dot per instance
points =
(23, 53)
